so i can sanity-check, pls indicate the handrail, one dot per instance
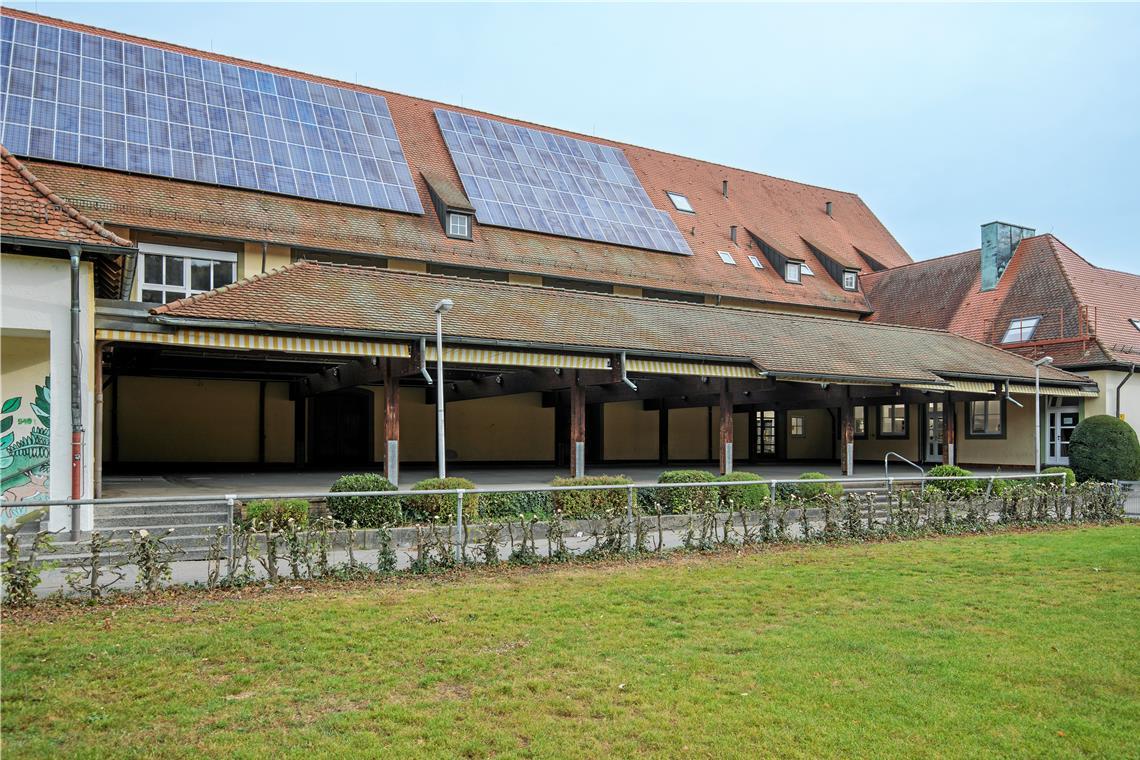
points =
(887, 469)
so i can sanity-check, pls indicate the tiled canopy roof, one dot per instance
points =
(1044, 278)
(337, 298)
(780, 211)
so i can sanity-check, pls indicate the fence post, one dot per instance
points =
(230, 498)
(772, 492)
(629, 517)
(458, 526)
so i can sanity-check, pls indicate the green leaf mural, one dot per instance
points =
(11, 405)
(25, 451)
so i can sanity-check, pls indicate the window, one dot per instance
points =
(860, 414)
(792, 271)
(893, 421)
(850, 280)
(680, 202)
(726, 257)
(796, 425)
(1021, 330)
(170, 272)
(458, 225)
(987, 418)
(755, 262)
(807, 270)
(1135, 323)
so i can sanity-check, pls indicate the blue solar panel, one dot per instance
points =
(530, 180)
(93, 100)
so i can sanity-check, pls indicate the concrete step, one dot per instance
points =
(149, 521)
(114, 510)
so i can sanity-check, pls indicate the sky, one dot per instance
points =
(941, 117)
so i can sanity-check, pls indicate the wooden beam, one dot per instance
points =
(367, 371)
(392, 422)
(949, 429)
(522, 381)
(847, 438)
(726, 429)
(577, 430)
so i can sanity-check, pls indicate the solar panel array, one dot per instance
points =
(532, 180)
(97, 101)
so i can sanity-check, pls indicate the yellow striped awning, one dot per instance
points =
(1046, 390)
(699, 369)
(960, 386)
(293, 344)
(494, 357)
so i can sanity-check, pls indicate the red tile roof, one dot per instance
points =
(1045, 278)
(334, 298)
(29, 209)
(780, 211)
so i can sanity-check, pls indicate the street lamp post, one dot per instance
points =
(1037, 365)
(440, 309)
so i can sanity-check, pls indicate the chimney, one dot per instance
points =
(827, 208)
(724, 188)
(999, 241)
(732, 233)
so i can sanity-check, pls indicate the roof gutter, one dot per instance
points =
(777, 375)
(1007, 378)
(93, 249)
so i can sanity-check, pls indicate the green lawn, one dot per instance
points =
(1009, 644)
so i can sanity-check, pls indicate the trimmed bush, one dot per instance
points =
(441, 506)
(812, 490)
(1104, 448)
(578, 504)
(1070, 476)
(280, 511)
(508, 505)
(751, 497)
(681, 500)
(367, 511)
(955, 489)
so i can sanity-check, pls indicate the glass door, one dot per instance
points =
(766, 434)
(1061, 422)
(935, 426)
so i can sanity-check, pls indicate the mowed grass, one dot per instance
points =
(1000, 645)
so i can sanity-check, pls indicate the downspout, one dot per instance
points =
(423, 360)
(625, 377)
(76, 396)
(1127, 377)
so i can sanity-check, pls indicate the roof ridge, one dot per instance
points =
(923, 261)
(73, 213)
(243, 282)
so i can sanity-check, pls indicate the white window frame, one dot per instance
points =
(726, 257)
(452, 231)
(793, 272)
(755, 262)
(680, 202)
(797, 425)
(807, 270)
(1018, 329)
(854, 279)
(187, 255)
(991, 412)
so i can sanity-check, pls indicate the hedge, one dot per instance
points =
(1104, 448)
(592, 503)
(809, 490)
(750, 497)
(279, 511)
(439, 506)
(954, 489)
(682, 500)
(366, 511)
(508, 505)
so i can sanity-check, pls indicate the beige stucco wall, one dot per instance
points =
(249, 261)
(1015, 450)
(1106, 402)
(502, 428)
(630, 432)
(689, 433)
(816, 442)
(874, 448)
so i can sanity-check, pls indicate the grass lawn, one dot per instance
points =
(1009, 644)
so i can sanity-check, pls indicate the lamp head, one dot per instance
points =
(1043, 361)
(443, 306)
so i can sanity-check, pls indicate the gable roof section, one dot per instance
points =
(1116, 297)
(779, 210)
(329, 298)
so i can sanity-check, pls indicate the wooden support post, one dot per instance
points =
(726, 429)
(663, 435)
(97, 438)
(847, 439)
(392, 422)
(577, 428)
(949, 430)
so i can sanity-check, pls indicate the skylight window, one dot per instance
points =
(1021, 330)
(807, 269)
(1135, 323)
(792, 271)
(755, 262)
(726, 257)
(680, 202)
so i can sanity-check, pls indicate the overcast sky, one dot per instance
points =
(940, 117)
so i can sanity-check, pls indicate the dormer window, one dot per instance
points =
(792, 271)
(726, 257)
(458, 225)
(850, 279)
(680, 202)
(1021, 330)
(807, 270)
(755, 262)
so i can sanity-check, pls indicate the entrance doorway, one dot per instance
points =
(340, 428)
(766, 434)
(935, 433)
(1062, 420)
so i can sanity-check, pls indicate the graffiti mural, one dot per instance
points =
(25, 451)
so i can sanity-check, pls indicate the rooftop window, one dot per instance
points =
(680, 202)
(1135, 323)
(458, 225)
(807, 269)
(726, 257)
(850, 280)
(1021, 330)
(755, 262)
(792, 271)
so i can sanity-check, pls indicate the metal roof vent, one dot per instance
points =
(724, 188)
(732, 233)
(827, 208)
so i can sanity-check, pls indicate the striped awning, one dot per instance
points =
(698, 369)
(293, 344)
(958, 386)
(492, 357)
(1054, 390)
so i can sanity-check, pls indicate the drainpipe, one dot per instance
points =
(76, 397)
(1121, 385)
(624, 377)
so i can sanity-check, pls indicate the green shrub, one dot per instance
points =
(367, 511)
(592, 503)
(681, 500)
(280, 511)
(440, 506)
(750, 497)
(1070, 476)
(954, 489)
(809, 490)
(508, 505)
(1104, 448)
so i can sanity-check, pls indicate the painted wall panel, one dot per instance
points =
(630, 432)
